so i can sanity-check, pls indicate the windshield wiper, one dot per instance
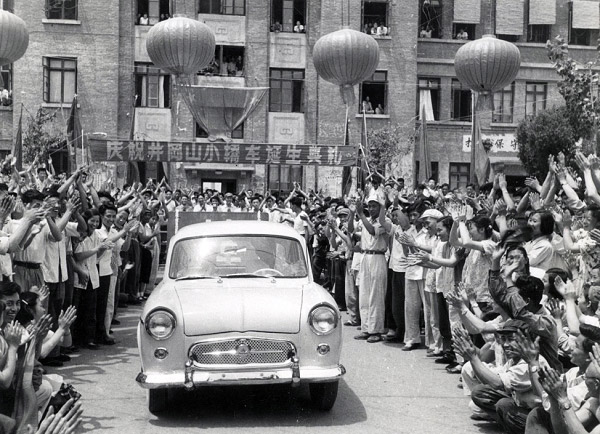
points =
(246, 275)
(194, 277)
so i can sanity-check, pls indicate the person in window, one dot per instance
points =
(379, 110)
(144, 21)
(462, 34)
(382, 30)
(298, 28)
(367, 28)
(425, 32)
(139, 18)
(5, 97)
(239, 65)
(277, 27)
(367, 107)
(374, 29)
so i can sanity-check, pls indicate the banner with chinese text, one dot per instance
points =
(230, 153)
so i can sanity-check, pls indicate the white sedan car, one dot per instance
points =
(238, 306)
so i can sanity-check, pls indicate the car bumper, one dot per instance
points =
(191, 377)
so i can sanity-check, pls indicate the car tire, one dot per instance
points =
(323, 395)
(158, 400)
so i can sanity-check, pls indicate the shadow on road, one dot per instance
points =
(258, 406)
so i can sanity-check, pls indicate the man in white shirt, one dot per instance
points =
(301, 218)
(228, 206)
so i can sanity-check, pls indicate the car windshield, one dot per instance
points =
(237, 256)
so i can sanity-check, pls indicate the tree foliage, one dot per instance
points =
(40, 138)
(550, 132)
(386, 145)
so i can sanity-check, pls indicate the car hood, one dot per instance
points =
(240, 305)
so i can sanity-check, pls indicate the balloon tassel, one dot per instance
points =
(347, 93)
(485, 102)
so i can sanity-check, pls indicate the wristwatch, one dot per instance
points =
(565, 405)
(534, 369)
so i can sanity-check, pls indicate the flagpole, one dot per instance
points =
(473, 175)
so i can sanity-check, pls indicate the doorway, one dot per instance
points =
(220, 185)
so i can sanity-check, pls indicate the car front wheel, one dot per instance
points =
(158, 400)
(323, 395)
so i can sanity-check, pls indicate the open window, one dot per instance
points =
(288, 16)
(463, 31)
(584, 22)
(286, 92)
(282, 177)
(503, 104)
(150, 12)
(430, 18)
(539, 33)
(152, 86)
(373, 94)
(429, 96)
(461, 102)
(222, 7)
(6, 90)
(228, 62)
(238, 133)
(375, 18)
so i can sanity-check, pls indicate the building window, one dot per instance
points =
(509, 38)
(228, 61)
(60, 79)
(503, 104)
(222, 7)
(539, 33)
(152, 86)
(282, 178)
(429, 94)
(459, 174)
(375, 17)
(461, 102)
(7, 5)
(583, 37)
(430, 18)
(435, 171)
(288, 16)
(238, 133)
(61, 9)
(287, 90)
(373, 94)
(6, 94)
(535, 98)
(150, 12)
(463, 31)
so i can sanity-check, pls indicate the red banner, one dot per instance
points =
(220, 152)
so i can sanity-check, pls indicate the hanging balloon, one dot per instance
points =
(14, 38)
(346, 58)
(487, 65)
(181, 45)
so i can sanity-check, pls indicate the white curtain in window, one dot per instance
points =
(425, 100)
(586, 15)
(467, 11)
(144, 101)
(161, 91)
(509, 17)
(542, 12)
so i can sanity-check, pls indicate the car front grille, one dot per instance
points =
(242, 352)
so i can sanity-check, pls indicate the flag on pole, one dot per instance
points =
(133, 169)
(74, 137)
(424, 162)
(17, 148)
(364, 151)
(480, 162)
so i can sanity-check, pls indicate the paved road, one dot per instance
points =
(385, 391)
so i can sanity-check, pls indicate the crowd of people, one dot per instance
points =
(375, 29)
(501, 285)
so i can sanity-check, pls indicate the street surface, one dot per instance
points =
(386, 390)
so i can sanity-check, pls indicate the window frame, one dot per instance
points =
(503, 92)
(151, 70)
(220, 55)
(387, 16)
(453, 105)
(223, 6)
(534, 37)
(371, 81)
(437, 17)
(48, 69)
(201, 133)
(281, 82)
(469, 28)
(535, 93)
(49, 7)
(284, 28)
(454, 170)
(279, 169)
(436, 113)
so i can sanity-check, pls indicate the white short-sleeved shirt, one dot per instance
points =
(90, 243)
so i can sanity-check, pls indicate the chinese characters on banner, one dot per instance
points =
(230, 153)
(495, 142)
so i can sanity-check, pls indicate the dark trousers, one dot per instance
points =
(539, 422)
(85, 301)
(133, 276)
(118, 290)
(397, 301)
(339, 272)
(508, 413)
(68, 301)
(444, 322)
(56, 299)
(101, 332)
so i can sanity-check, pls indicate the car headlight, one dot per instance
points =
(160, 324)
(322, 320)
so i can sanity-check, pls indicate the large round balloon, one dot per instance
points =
(14, 38)
(181, 45)
(346, 57)
(487, 64)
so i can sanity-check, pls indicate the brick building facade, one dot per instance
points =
(97, 49)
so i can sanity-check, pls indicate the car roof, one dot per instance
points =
(236, 227)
